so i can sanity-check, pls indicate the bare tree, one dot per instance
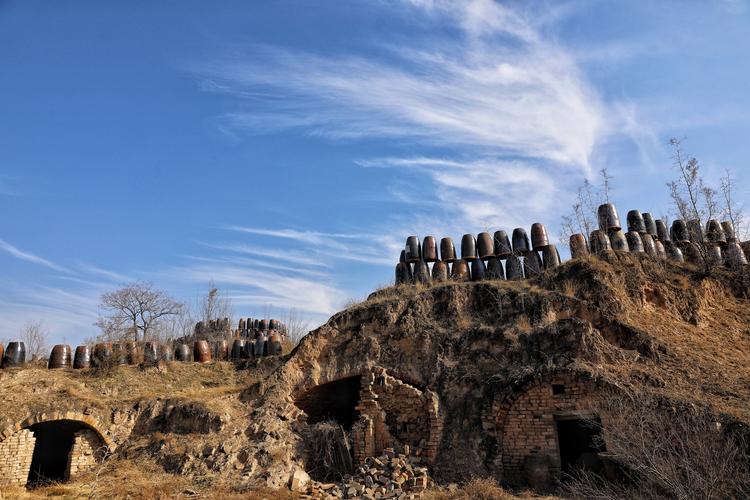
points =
(36, 339)
(731, 209)
(135, 311)
(214, 305)
(661, 451)
(583, 215)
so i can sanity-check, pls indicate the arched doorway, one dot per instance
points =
(62, 448)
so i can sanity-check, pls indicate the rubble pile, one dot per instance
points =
(391, 475)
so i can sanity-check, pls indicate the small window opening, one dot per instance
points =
(558, 389)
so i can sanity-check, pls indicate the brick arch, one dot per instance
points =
(89, 420)
(522, 419)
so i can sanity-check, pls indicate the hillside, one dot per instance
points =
(473, 379)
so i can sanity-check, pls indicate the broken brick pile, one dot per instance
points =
(391, 475)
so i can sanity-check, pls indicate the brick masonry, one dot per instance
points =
(83, 455)
(15, 457)
(525, 425)
(394, 414)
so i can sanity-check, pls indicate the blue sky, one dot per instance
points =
(285, 149)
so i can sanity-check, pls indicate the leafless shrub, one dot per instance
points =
(215, 304)
(732, 210)
(583, 216)
(328, 445)
(661, 451)
(36, 338)
(297, 326)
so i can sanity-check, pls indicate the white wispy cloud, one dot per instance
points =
(30, 257)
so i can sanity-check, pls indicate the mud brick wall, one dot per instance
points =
(529, 426)
(83, 454)
(15, 458)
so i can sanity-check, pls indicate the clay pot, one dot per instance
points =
(478, 270)
(14, 355)
(273, 324)
(429, 249)
(413, 249)
(713, 255)
(715, 233)
(579, 247)
(502, 244)
(550, 257)
(102, 353)
(403, 273)
(729, 233)
(735, 257)
(421, 273)
(679, 231)
(539, 238)
(521, 244)
(674, 253)
(249, 351)
(513, 268)
(221, 350)
(635, 243)
(599, 242)
(532, 265)
(202, 351)
(495, 269)
(648, 220)
(460, 271)
(150, 353)
(692, 253)
(648, 245)
(82, 358)
(242, 325)
(661, 231)
(661, 253)
(447, 250)
(182, 353)
(440, 271)
(237, 347)
(2, 352)
(608, 218)
(263, 325)
(260, 346)
(635, 222)
(468, 247)
(119, 356)
(132, 353)
(61, 357)
(165, 352)
(618, 241)
(695, 230)
(485, 246)
(274, 344)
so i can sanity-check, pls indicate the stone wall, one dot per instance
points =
(16, 453)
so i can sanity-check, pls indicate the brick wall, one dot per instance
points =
(393, 413)
(526, 425)
(83, 454)
(15, 457)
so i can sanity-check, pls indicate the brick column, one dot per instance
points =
(82, 455)
(15, 457)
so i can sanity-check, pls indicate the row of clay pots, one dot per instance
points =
(484, 246)
(516, 267)
(261, 325)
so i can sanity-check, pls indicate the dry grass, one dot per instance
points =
(140, 481)
(478, 489)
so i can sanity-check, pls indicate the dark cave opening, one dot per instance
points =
(580, 444)
(335, 401)
(54, 441)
